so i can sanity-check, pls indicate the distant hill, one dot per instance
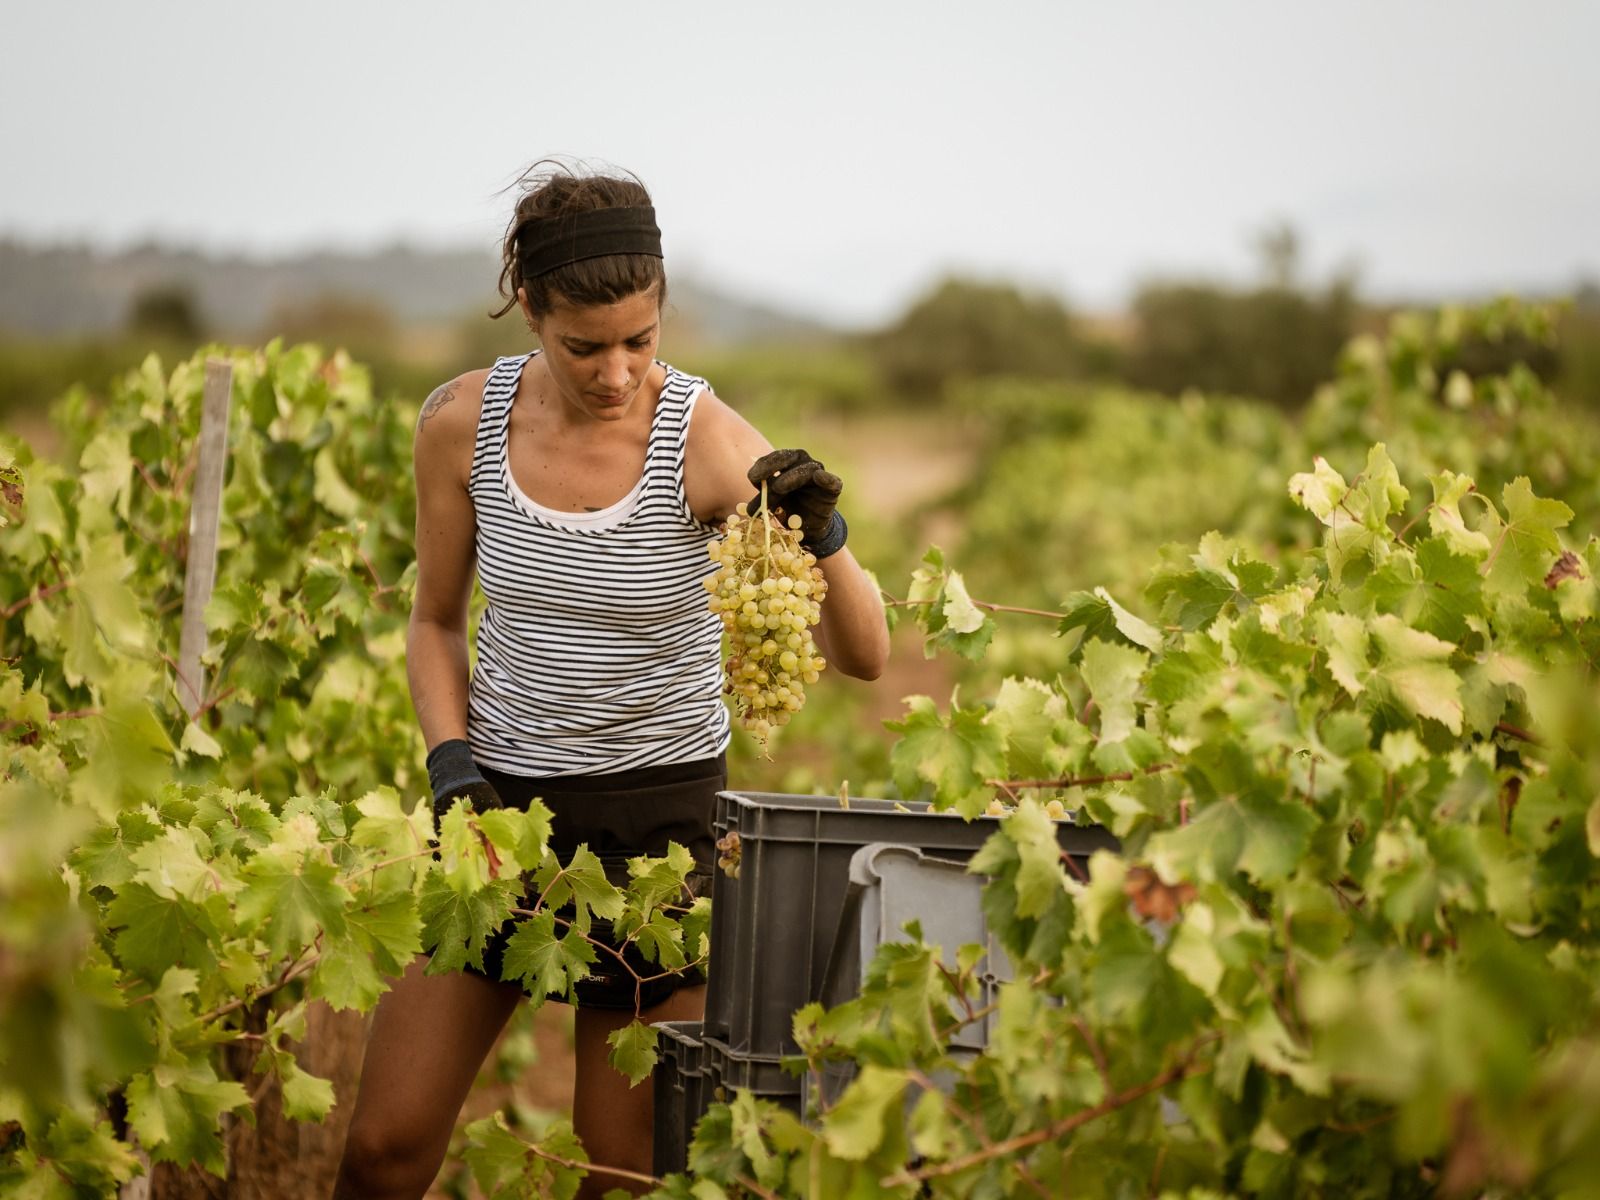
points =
(65, 290)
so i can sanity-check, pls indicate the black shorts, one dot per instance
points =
(619, 816)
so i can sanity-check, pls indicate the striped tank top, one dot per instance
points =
(596, 652)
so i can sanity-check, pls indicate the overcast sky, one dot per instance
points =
(834, 157)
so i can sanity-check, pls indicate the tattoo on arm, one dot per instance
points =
(441, 396)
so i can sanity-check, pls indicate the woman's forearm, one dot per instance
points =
(436, 667)
(852, 634)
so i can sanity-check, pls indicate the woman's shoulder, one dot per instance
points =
(454, 405)
(720, 447)
(447, 426)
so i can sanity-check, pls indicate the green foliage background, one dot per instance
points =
(1330, 677)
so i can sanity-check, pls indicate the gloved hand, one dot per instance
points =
(799, 485)
(453, 774)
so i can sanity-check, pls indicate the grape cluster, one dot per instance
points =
(768, 591)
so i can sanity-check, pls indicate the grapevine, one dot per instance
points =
(768, 591)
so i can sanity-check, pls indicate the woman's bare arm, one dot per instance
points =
(436, 638)
(852, 634)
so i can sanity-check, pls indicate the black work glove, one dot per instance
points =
(453, 774)
(798, 485)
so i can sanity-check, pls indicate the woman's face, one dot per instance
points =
(600, 355)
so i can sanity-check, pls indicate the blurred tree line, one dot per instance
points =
(1274, 339)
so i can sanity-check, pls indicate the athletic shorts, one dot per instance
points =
(619, 816)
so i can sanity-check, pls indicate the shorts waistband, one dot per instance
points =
(634, 777)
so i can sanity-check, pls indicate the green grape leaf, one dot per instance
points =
(1277, 834)
(1452, 591)
(956, 755)
(547, 965)
(1445, 520)
(330, 488)
(178, 1118)
(1525, 544)
(106, 470)
(855, 1126)
(660, 940)
(960, 614)
(1411, 668)
(1112, 673)
(696, 925)
(382, 936)
(305, 1096)
(157, 932)
(289, 896)
(505, 1166)
(1028, 714)
(85, 1152)
(390, 928)
(657, 881)
(1414, 665)
(105, 857)
(235, 605)
(591, 889)
(198, 741)
(463, 861)
(633, 1050)
(386, 827)
(345, 976)
(1320, 490)
(497, 1157)
(1193, 589)
(1100, 616)
(171, 866)
(519, 835)
(1041, 880)
(456, 926)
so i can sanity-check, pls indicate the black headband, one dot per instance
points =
(552, 242)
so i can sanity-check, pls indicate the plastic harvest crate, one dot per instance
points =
(772, 928)
(890, 885)
(727, 1072)
(679, 1094)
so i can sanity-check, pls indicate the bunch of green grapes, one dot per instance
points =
(768, 592)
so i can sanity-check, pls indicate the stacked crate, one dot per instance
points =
(773, 929)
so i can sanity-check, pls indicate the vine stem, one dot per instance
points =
(1180, 1070)
(893, 602)
(295, 969)
(74, 715)
(48, 590)
(598, 1168)
(750, 1185)
(1522, 735)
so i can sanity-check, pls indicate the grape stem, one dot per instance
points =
(766, 524)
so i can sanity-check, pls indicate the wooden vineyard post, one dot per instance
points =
(200, 571)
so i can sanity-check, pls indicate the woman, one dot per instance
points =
(583, 482)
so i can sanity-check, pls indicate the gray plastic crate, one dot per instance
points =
(679, 1093)
(727, 1072)
(889, 886)
(772, 928)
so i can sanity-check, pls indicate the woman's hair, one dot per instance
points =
(552, 188)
